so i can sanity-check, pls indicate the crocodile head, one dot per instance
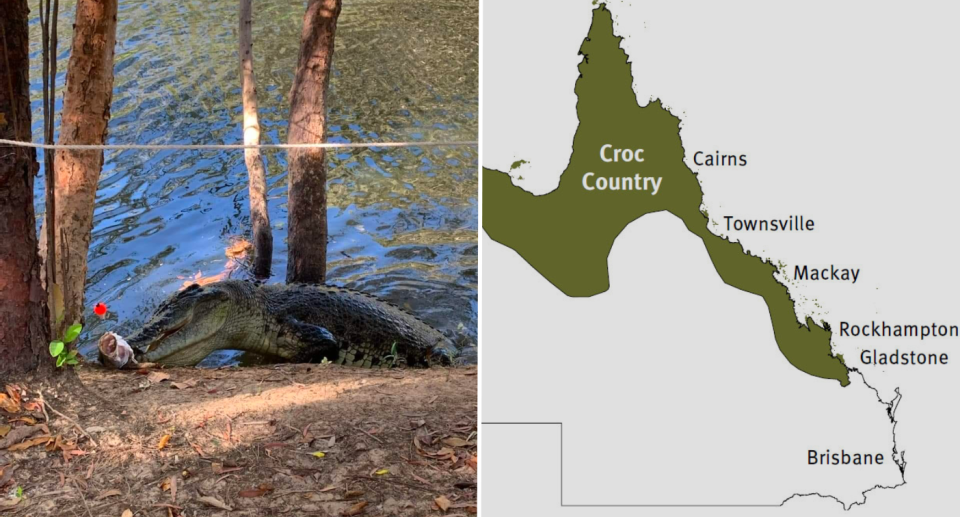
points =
(184, 329)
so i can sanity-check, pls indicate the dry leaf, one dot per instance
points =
(239, 248)
(29, 420)
(157, 377)
(442, 502)
(6, 504)
(9, 405)
(4, 429)
(356, 509)
(353, 494)
(256, 492)
(108, 493)
(126, 513)
(216, 503)
(13, 393)
(183, 385)
(327, 489)
(219, 469)
(163, 442)
(472, 462)
(30, 443)
(453, 441)
(382, 472)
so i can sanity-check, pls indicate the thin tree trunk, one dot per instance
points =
(24, 332)
(86, 110)
(307, 173)
(48, 37)
(259, 217)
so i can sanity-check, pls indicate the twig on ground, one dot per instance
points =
(396, 482)
(68, 419)
(82, 498)
(368, 434)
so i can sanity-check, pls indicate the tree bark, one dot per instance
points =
(307, 173)
(24, 332)
(259, 217)
(86, 110)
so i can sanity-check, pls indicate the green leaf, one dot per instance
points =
(72, 360)
(73, 353)
(60, 360)
(56, 347)
(72, 332)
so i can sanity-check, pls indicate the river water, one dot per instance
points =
(403, 222)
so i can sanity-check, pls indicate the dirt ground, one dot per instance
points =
(278, 440)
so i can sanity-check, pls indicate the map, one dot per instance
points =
(642, 347)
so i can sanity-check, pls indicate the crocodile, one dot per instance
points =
(296, 322)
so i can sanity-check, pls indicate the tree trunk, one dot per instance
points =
(24, 332)
(86, 110)
(259, 217)
(307, 173)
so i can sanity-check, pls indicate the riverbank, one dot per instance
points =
(278, 440)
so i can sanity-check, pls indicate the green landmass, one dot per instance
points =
(517, 164)
(567, 234)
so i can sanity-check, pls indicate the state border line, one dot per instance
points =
(602, 505)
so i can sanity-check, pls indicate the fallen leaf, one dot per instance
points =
(353, 494)
(108, 493)
(29, 420)
(239, 248)
(157, 376)
(183, 385)
(163, 442)
(197, 448)
(356, 509)
(219, 469)
(6, 504)
(216, 503)
(9, 405)
(472, 462)
(382, 472)
(453, 441)
(442, 502)
(318, 454)
(256, 492)
(13, 393)
(126, 513)
(30, 443)
(327, 489)
(4, 429)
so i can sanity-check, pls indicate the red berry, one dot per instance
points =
(100, 309)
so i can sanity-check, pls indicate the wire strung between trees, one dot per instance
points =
(205, 147)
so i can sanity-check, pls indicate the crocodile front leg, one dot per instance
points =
(306, 343)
